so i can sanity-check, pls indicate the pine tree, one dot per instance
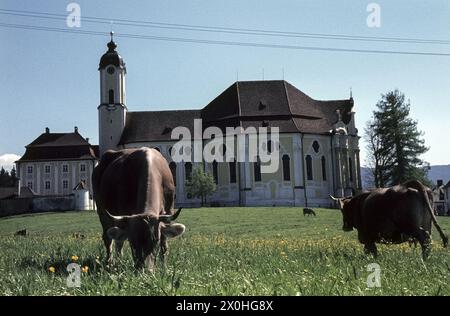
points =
(396, 142)
(201, 185)
(4, 177)
(13, 177)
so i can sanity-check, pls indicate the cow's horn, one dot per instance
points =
(116, 218)
(170, 218)
(333, 198)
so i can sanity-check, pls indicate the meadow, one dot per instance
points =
(224, 251)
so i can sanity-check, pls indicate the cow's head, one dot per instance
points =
(347, 208)
(145, 234)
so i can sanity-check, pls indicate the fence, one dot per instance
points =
(37, 205)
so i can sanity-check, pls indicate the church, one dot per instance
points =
(318, 142)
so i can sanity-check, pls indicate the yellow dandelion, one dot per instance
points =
(51, 269)
(85, 269)
(74, 258)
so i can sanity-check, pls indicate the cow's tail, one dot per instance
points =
(433, 218)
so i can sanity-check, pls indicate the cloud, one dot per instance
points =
(7, 160)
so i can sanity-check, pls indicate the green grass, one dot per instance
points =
(225, 251)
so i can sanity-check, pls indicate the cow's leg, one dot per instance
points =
(108, 244)
(371, 248)
(163, 246)
(119, 245)
(424, 240)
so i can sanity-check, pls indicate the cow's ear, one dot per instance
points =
(172, 230)
(117, 233)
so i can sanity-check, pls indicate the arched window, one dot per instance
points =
(286, 168)
(316, 146)
(309, 170)
(232, 166)
(173, 169)
(324, 169)
(111, 96)
(215, 172)
(188, 171)
(257, 170)
(350, 168)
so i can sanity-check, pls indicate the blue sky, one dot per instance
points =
(51, 79)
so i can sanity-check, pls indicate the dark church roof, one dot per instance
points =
(156, 125)
(59, 146)
(245, 103)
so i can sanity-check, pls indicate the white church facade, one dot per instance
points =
(318, 142)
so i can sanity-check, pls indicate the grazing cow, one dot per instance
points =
(391, 215)
(308, 211)
(134, 191)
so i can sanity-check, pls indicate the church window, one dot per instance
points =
(286, 168)
(316, 146)
(82, 168)
(30, 169)
(65, 184)
(269, 146)
(47, 169)
(215, 172)
(257, 170)
(30, 185)
(47, 185)
(65, 168)
(188, 171)
(223, 150)
(309, 171)
(350, 168)
(324, 169)
(173, 169)
(111, 96)
(232, 166)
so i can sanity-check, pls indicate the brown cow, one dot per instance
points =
(134, 192)
(391, 215)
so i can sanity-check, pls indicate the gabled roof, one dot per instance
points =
(59, 146)
(274, 103)
(58, 139)
(156, 125)
(81, 186)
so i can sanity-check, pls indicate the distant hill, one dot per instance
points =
(438, 172)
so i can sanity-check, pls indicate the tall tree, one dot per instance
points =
(13, 176)
(394, 142)
(201, 185)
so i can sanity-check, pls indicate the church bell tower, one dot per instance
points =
(112, 109)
